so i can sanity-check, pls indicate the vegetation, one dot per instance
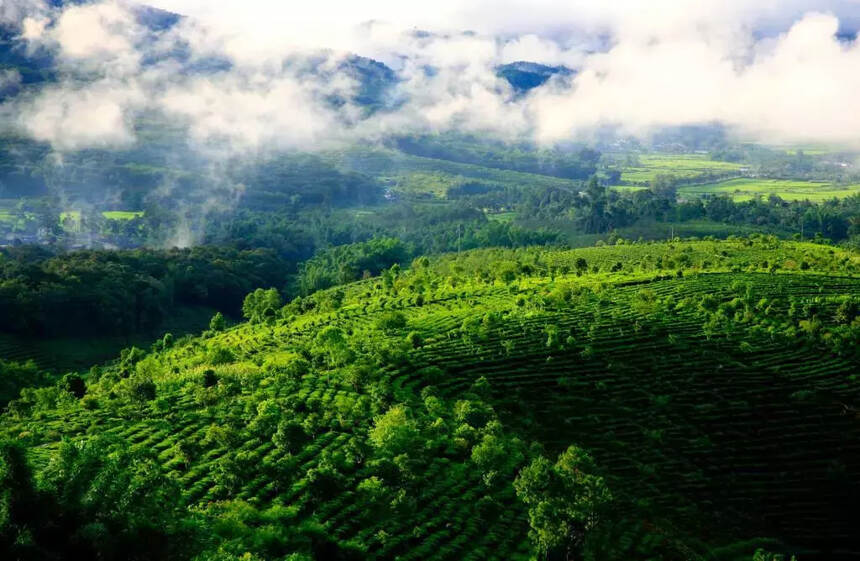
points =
(435, 346)
(638, 400)
(102, 293)
(789, 190)
(642, 169)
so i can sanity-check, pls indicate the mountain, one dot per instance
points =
(659, 401)
(524, 76)
(37, 66)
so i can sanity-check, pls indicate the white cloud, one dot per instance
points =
(13, 12)
(9, 79)
(668, 62)
(72, 117)
(797, 87)
(250, 111)
(533, 48)
(95, 30)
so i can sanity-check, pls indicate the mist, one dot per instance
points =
(774, 73)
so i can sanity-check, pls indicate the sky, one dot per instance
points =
(771, 71)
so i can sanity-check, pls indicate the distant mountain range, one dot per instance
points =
(376, 80)
(524, 76)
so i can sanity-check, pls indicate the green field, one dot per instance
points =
(747, 188)
(392, 416)
(122, 214)
(10, 215)
(71, 218)
(417, 174)
(418, 183)
(683, 166)
(501, 216)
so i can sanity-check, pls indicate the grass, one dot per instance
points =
(429, 175)
(71, 220)
(10, 214)
(503, 217)
(680, 165)
(122, 214)
(742, 189)
(436, 184)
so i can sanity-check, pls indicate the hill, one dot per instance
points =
(524, 76)
(682, 400)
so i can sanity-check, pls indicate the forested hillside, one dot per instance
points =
(448, 281)
(100, 293)
(680, 400)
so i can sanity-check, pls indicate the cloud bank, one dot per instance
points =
(260, 75)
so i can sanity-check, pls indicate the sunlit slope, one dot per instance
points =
(714, 383)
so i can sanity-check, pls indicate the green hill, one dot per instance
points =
(709, 391)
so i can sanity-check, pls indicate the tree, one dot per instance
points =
(594, 220)
(414, 339)
(581, 266)
(18, 502)
(506, 271)
(474, 413)
(219, 355)
(324, 482)
(663, 185)
(331, 342)
(141, 389)
(261, 305)
(94, 500)
(73, 384)
(14, 376)
(268, 416)
(290, 436)
(394, 432)
(218, 322)
(391, 322)
(564, 500)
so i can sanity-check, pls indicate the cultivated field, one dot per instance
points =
(685, 166)
(712, 382)
(742, 189)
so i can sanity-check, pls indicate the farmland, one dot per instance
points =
(709, 382)
(641, 169)
(122, 214)
(418, 174)
(791, 190)
(475, 281)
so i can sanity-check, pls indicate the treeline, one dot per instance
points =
(421, 229)
(579, 164)
(767, 162)
(301, 181)
(108, 292)
(17, 375)
(600, 210)
(348, 263)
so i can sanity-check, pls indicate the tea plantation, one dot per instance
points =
(679, 400)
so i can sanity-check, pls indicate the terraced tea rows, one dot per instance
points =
(713, 382)
(683, 420)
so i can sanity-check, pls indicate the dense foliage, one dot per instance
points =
(103, 292)
(453, 409)
(571, 165)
